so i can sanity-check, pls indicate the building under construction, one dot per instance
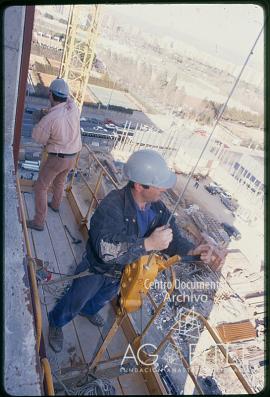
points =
(195, 330)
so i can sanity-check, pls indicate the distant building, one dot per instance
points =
(241, 172)
(246, 168)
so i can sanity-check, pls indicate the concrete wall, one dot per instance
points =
(21, 366)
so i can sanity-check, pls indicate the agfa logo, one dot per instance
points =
(137, 358)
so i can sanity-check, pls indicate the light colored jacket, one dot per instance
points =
(59, 130)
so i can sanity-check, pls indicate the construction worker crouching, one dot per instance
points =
(127, 224)
(59, 131)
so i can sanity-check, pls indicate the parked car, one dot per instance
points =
(225, 193)
(228, 203)
(30, 109)
(99, 128)
(212, 189)
(94, 120)
(231, 231)
(110, 126)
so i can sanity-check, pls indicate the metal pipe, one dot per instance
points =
(115, 140)
(37, 307)
(187, 367)
(106, 341)
(25, 231)
(125, 138)
(225, 353)
(135, 138)
(25, 56)
(88, 186)
(160, 307)
(169, 338)
(122, 135)
(48, 382)
(94, 196)
(101, 166)
(219, 344)
(151, 300)
(141, 140)
(31, 268)
(162, 343)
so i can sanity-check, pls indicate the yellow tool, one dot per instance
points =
(137, 278)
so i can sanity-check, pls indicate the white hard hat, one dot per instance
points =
(60, 88)
(148, 167)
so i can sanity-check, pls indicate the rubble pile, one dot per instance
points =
(209, 225)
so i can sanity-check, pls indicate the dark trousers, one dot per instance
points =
(87, 295)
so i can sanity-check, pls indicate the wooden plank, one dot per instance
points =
(77, 212)
(152, 379)
(29, 215)
(50, 245)
(89, 336)
(119, 342)
(91, 339)
(35, 238)
(26, 185)
(81, 338)
(67, 263)
(131, 384)
(85, 331)
(68, 218)
(118, 389)
(134, 385)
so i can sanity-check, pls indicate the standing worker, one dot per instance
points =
(196, 184)
(127, 224)
(59, 132)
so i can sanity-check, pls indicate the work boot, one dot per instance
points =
(31, 225)
(56, 338)
(95, 319)
(51, 207)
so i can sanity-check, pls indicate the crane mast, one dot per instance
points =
(79, 48)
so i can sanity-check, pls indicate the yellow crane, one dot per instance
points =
(79, 48)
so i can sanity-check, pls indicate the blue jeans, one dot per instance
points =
(87, 295)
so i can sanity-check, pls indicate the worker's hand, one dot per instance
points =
(212, 255)
(38, 114)
(159, 239)
(205, 251)
(44, 111)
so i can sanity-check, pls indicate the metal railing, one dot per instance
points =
(216, 338)
(103, 173)
(169, 337)
(143, 137)
(31, 266)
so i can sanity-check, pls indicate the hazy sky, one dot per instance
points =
(233, 27)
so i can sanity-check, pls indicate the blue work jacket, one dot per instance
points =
(114, 240)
